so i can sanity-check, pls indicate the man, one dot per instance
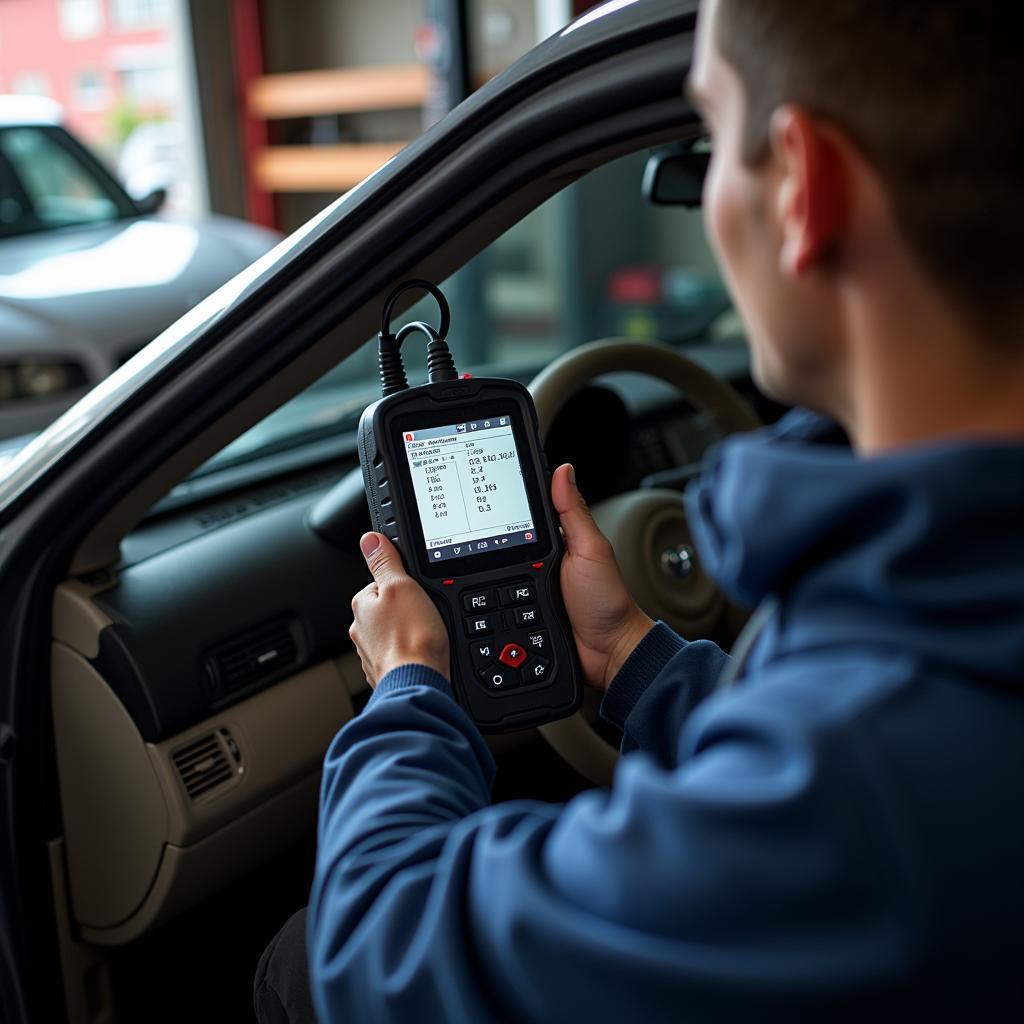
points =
(840, 835)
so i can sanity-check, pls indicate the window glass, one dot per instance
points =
(90, 90)
(60, 189)
(147, 84)
(80, 19)
(595, 261)
(133, 13)
(15, 213)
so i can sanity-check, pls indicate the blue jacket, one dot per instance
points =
(839, 837)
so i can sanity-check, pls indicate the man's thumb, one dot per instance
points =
(381, 556)
(578, 524)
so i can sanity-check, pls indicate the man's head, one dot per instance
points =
(857, 143)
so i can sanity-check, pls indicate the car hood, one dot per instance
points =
(109, 284)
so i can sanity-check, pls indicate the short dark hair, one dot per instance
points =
(932, 92)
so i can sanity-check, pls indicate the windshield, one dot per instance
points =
(595, 261)
(46, 183)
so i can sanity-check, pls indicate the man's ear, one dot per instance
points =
(812, 196)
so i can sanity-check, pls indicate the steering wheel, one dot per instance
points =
(647, 528)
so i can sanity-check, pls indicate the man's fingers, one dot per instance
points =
(382, 557)
(578, 526)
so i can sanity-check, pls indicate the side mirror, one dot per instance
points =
(153, 202)
(674, 176)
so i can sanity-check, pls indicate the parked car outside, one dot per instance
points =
(89, 275)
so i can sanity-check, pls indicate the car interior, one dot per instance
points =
(200, 660)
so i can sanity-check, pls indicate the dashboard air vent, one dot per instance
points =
(253, 657)
(203, 765)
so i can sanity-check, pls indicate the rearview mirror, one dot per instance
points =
(674, 176)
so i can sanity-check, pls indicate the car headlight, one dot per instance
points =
(39, 378)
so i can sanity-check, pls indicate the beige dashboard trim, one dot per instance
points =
(138, 847)
(87, 989)
(282, 735)
(115, 813)
(77, 621)
(351, 671)
(187, 874)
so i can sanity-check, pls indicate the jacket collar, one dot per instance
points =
(923, 548)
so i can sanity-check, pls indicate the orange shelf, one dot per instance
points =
(338, 91)
(320, 168)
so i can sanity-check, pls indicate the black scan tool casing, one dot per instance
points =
(501, 602)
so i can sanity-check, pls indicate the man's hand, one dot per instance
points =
(606, 622)
(395, 622)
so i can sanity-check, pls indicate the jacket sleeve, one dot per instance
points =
(743, 885)
(658, 687)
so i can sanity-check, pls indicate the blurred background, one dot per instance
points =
(262, 109)
(151, 149)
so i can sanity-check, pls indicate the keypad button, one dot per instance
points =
(480, 625)
(520, 593)
(499, 678)
(529, 616)
(479, 602)
(537, 670)
(538, 643)
(512, 655)
(483, 653)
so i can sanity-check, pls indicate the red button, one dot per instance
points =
(512, 655)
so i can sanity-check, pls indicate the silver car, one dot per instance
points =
(88, 275)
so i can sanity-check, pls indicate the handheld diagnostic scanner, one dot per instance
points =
(456, 477)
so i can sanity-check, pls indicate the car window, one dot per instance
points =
(595, 261)
(59, 188)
